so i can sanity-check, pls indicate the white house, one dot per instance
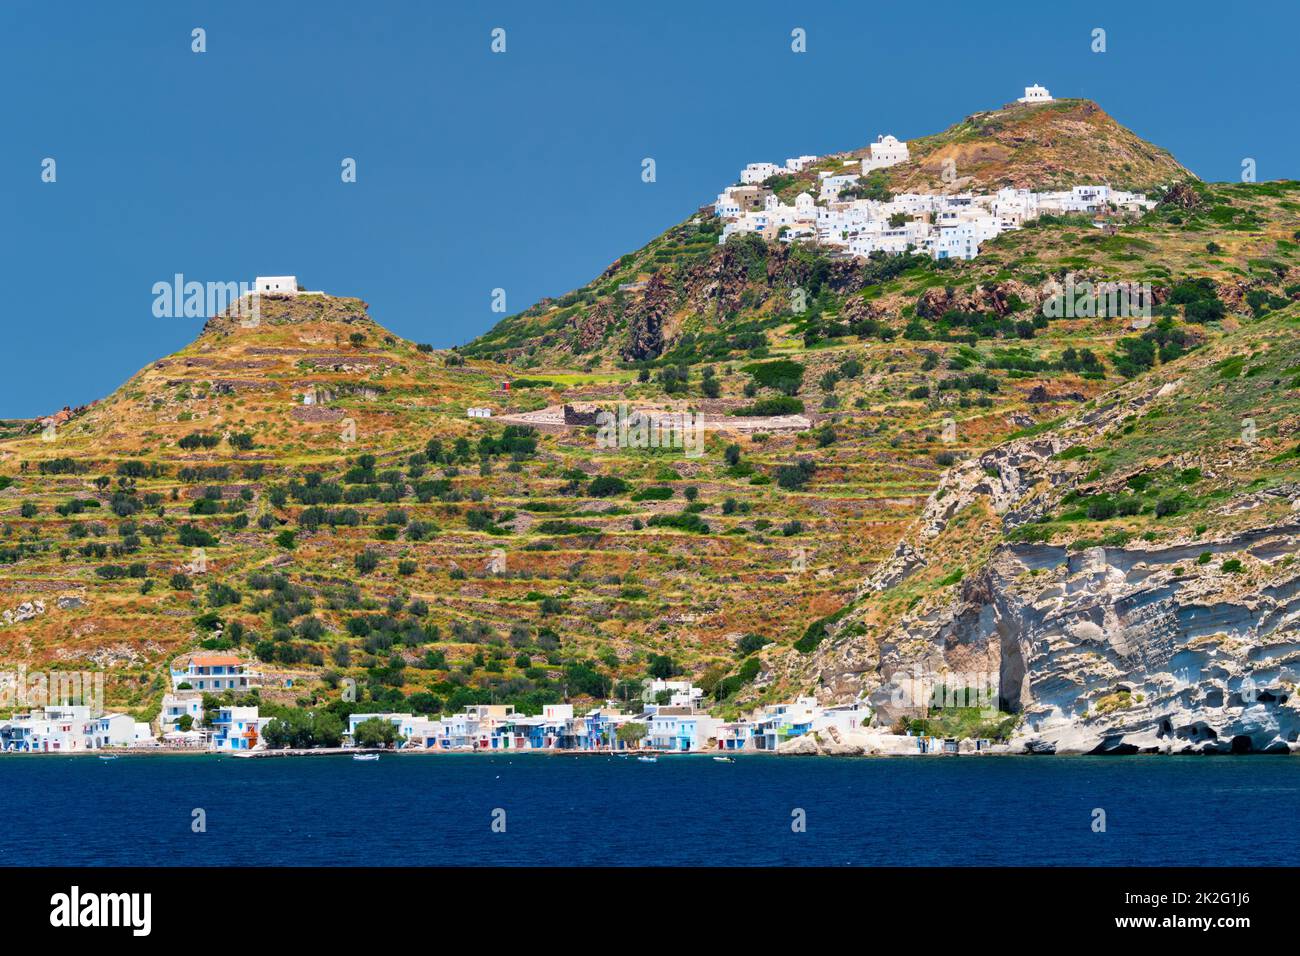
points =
(111, 730)
(176, 706)
(843, 717)
(276, 285)
(397, 720)
(831, 185)
(681, 693)
(52, 730)
(797, 164)
(885, 151)
(680, 729)
(142, 735)
(757, 172)
(237, 728)
(1035, 94)
(214, 672)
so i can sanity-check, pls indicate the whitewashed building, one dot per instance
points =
(276, 285)
(176, 706)
(213, 673)
(885, 151)
(680, 729)
(1035, 94)
(832, 185)
(238, 728)
(110, 730)
(681, 693)
(757, 172)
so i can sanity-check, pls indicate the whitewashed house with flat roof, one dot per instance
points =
(757, 172)
(176, 706)
(832, 185)
(681, 693)
(1035, 94)
(276, 285)
(214, 672)
(111, 730)
(238, 728)
(680, 729)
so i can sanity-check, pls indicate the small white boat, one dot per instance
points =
(108, 756)
(648, 759)
(725, 759)
(365, 756)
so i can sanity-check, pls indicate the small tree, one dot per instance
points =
(631, 734)
(375, 732)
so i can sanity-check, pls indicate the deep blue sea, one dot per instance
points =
(439, 810)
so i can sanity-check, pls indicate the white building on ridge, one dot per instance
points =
(1035, 94)
(276, 285)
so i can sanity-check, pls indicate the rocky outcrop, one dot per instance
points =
(23, 612)
(825, 743)
(999, 298)
(645, 320)
(593, 325)
(1129, 649)
(1181, 196)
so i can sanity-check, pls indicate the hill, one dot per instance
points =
(1067, 142)
(311, 493)
(683, 293)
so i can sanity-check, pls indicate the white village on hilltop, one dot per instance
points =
(941, 225)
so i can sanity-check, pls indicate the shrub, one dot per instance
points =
(794, 477)
(606, 485)
(780, 405)
(1101, 510)
(656, 493)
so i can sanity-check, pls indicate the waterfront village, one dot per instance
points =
(667, 719)
(847, 217)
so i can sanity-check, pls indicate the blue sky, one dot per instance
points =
(519, 170)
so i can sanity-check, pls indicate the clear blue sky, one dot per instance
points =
(521, 170)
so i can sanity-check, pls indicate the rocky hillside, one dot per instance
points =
(1128, 574)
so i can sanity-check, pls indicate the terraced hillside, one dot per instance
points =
(312, 492)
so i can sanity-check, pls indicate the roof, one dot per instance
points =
(214, 660)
